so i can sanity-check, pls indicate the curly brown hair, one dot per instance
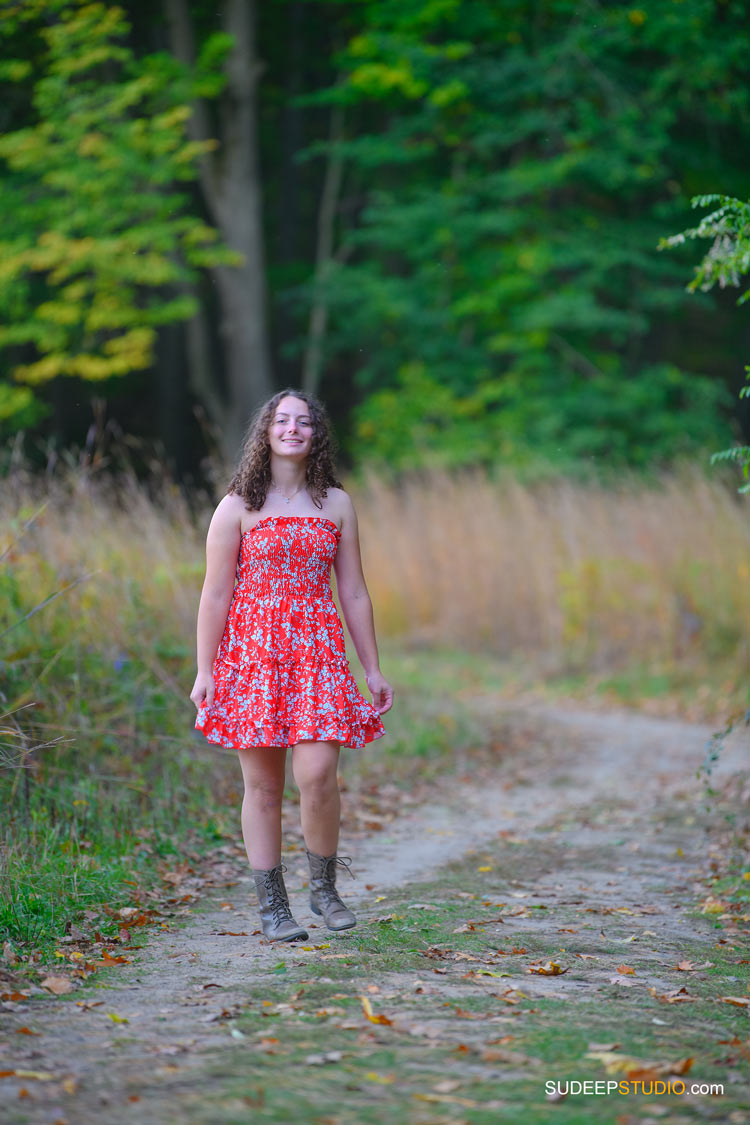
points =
(252, 478)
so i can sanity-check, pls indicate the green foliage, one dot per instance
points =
(98, 241)
(727, 262)
(728, 259)
(423, 423)
(516, 167)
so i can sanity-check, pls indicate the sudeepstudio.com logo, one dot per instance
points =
(655, 1087)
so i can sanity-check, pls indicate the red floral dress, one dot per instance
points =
(281, 671)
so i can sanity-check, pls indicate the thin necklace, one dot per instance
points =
(287, 498)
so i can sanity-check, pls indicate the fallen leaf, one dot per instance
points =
(511, 996)
(367, 1009)
(637, 1068)
(712, 905)
(677, 996)
(548, 969)
(626, 970)
(685, 966)
(107, 960)
(739, 1001)
(446, 1098)
(58, 985)
(39, 1075)
(9, 953)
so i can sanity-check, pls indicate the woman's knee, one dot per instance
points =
(315, 767)
(263, 793)
(264, 780)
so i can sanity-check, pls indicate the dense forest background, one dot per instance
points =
(442, 216)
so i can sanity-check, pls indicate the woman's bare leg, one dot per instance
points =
(314, 766)
(263, 771)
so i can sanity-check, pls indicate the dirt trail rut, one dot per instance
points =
(588, 781)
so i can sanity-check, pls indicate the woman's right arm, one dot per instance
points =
(222, 551)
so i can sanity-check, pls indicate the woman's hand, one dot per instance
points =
(203, 690)
(382, 692)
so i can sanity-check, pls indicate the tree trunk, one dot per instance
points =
(230, 180)
(329, 199)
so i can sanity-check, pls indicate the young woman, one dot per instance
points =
(272, 666)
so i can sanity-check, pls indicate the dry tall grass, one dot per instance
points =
(584, 576)
(589, 577)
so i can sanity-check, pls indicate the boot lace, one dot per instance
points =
(280, 908)
(328, 877)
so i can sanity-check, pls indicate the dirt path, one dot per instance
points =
(599, 815)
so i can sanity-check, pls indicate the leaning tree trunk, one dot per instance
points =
(312, 366)
(230, 181)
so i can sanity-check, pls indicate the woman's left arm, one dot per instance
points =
(357, 606)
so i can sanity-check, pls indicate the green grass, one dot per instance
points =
(388, 1070)
(696, 690)
(66, 859)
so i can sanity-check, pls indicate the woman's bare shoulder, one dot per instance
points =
(229, 510)
(342, 508)
(338, 500)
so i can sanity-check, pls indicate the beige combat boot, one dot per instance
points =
(324, 899)
(275, 913)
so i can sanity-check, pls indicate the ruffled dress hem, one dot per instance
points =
(280, 738)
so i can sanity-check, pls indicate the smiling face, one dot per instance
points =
(291, 430)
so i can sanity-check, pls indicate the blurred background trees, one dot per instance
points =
(443, 217)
